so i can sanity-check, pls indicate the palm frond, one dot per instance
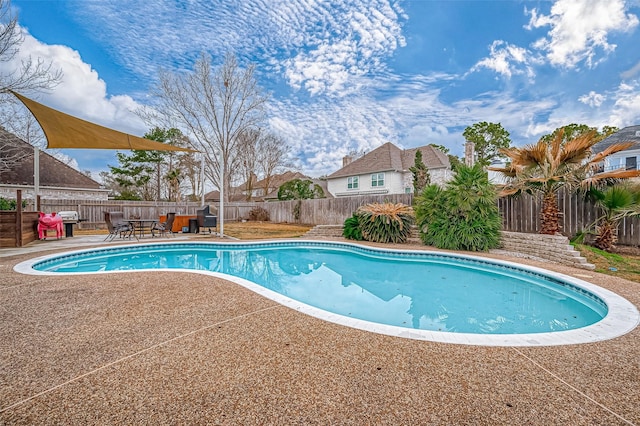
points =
(612, 149)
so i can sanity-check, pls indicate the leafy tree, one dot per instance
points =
(463, 216)
(548, 166)
(299, 189)
(488, 139)
(421, 177)
(572, 131)
(7, 204)
(608, 131)
(167, 163)
(150, 174)
(454, 161)
(440, 147)
(134, 174)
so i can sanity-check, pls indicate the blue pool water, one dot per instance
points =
(415, 290)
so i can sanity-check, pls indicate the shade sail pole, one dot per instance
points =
(222, 195)
(202, 180)
(36, 174)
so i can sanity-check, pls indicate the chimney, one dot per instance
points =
(469, 154)
(347, 159)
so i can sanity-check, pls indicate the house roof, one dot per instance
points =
(214, 197)
(273, 195)
(53, 172)
(628, 134)
(276, 180)
(389, 157)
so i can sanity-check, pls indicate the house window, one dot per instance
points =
(377, 180)
(631, 163)
(352, 182)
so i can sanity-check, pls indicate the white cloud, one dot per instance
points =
(592, 99)
(627, 105)
(580, 29)
(508, 59)
(81, 92)
(632, 72)
(316, 46)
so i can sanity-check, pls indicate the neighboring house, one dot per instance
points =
(261, 189)
(497, 178)
(385, 170)
(273, 195)
(628, 159)
(214, 197)
(57, 180)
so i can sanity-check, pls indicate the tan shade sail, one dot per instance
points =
(66, 131)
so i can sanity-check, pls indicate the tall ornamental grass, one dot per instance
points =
(385, 222)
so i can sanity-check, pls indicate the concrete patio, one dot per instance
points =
(182, 348)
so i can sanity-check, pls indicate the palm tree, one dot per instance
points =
(548, 166)
(617, 202)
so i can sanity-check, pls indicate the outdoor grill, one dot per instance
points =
(69, 218)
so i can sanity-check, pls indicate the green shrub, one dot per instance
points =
(351, 229)
(386, 222)
(259, 214)
(463, 216)
(6, 204)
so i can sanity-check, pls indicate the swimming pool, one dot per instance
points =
(415, 294)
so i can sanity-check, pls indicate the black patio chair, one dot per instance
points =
(117, 225)
(164, 227)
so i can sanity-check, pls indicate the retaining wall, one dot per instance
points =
(555, 248)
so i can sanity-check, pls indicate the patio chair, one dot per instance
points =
(164, 227)
(117, 225)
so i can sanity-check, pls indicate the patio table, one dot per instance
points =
(140, 225)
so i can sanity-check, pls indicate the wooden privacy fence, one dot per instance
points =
(325, 211)
(519, 214)
(522, 214)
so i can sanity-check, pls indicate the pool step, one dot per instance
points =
(555, 248)
(324, 232)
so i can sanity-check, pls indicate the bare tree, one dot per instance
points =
(32, 74)
(246, 158)
(214, 107)
(273, 155)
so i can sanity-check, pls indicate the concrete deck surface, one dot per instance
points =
(180, 348)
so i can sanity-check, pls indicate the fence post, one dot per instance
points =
(19, 218)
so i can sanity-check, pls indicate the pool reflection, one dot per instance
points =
(432, 295)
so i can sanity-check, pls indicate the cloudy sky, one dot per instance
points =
(347, 75)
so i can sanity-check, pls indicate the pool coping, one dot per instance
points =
(622, 316)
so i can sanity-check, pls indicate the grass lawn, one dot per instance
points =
(242, 230)
(264, 230)
(625, 263)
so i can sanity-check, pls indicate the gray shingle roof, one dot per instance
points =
(628, 134)
(389, 157)
(53, 172)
